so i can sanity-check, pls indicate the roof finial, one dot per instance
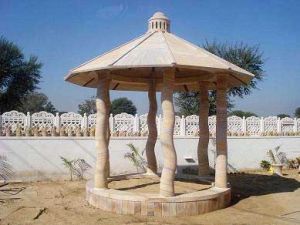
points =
(159, 22)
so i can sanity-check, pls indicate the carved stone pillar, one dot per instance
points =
(166, 135)
(203, 169)
(152, 136)
(101, 135)
(108, 105)
(221, 134)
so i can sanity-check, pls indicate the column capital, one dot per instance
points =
(203, 84)
(168, 70)
(104, 75)
(222, 81)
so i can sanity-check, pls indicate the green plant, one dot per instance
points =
(18, 76)
(5, 168)
(135, 157)
(76, 167)
(243, 55)
(264, 164)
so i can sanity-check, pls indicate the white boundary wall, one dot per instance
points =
(124, 124)
(38, 158)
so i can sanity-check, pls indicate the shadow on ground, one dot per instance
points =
(245, 185)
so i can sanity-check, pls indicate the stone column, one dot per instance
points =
(166, 135)
(221, 133)
(152, 136)
(108, 104)
(203, 169)
(101, 135)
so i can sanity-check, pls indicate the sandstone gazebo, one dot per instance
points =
(161, 61)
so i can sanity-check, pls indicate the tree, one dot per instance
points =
(283, 115)
(18, 76)
(88, 106)
(241, 113)
(247, 57)
(120, 105)
(188, 103)
(297, 112)
(36, 102)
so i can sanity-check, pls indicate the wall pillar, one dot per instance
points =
(295, 126)
(27, 122)
(152, 136)
(102, 131)
(182, 126)
(136, 125)
(221, 134)
(203, 162)
(262, 126)
(278, 126)
(166, 135)
(56, 121)
(84, 122)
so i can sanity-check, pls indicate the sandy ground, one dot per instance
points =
(257, 199)
(151, 185)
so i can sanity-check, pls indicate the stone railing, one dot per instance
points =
(15, 123)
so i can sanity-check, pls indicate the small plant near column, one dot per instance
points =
(76, 167)
(136, 158)
(6, 170)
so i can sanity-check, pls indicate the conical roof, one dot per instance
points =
(134, 63)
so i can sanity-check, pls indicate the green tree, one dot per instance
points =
(241, 113)
(247, 57)
(283, 115)
(88, 106)
(36, 102)
(188, 103)
(297, 112)
(18, 76)
(120, 105)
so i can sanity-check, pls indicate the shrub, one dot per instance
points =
(294, 163)
(264, 164)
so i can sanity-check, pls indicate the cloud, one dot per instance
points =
(112, 11)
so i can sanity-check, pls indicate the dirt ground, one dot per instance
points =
(258, 198)
(151, 185)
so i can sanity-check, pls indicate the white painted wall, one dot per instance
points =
(38, 158)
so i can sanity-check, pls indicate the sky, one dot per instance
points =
(64, 34)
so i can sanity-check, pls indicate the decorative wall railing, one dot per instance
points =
(15, 123)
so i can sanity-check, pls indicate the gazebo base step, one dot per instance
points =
(189, 204)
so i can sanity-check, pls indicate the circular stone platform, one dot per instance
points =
(152, 204)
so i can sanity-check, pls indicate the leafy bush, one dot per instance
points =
(294, 163)
(264, 164)
(76, 167)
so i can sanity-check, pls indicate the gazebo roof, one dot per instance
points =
(134, 63)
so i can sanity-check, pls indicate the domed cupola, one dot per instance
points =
(159, 22)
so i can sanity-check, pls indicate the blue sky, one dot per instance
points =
(63, 34)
